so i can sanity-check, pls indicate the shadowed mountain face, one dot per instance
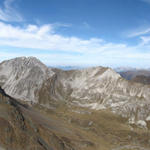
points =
(142, 79)
(82, 108)
(129, 75)
(139, 76)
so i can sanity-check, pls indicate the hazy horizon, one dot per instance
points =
(78, 66)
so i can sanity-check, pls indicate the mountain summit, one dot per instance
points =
(21, 77)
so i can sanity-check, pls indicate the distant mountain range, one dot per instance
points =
(141, 79)
(118, 69)
(67, 67)
(137, 75)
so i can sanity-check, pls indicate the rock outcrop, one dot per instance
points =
(22, 77)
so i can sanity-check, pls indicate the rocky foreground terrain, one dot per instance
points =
(24, 128)
(85, 109)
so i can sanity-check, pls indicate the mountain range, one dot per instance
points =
(95, 105)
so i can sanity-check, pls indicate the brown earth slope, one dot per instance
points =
(23, 128)
(65, 128)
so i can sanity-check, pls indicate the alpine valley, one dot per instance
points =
(95, 108)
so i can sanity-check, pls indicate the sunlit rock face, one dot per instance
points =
(102, 88)
(95, 88)
(22, 77)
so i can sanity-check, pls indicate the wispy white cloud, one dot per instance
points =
(145, 40)
(58, 25)
(86, 25)
(69, 50)
(147, 1)
(111, 58)
(45, 37)
(8, 13)
(139, 32)
(49, 59)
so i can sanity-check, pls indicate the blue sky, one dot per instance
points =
(77, 32)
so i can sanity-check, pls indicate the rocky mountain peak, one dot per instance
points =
(22, 76)
(110, 73)
(26, 62)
